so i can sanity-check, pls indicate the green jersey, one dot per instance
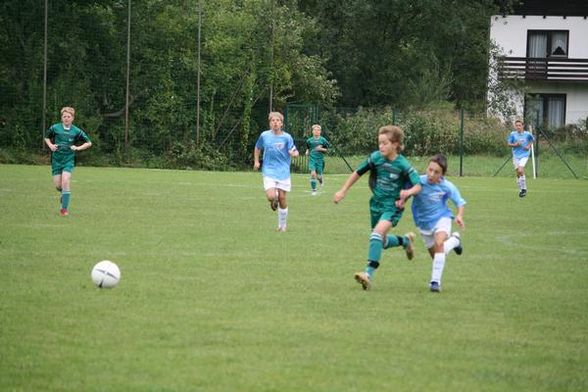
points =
(388, 178)
(312, 143)
(63, 158)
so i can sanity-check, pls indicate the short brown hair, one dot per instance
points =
(440, 160)
(394, 133)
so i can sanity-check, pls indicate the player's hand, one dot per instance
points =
(338, 196)
(400, 203)
(460, 222)
(293, 152)
(74, 148)
(256, 165)
(53, 147)
(404, 194)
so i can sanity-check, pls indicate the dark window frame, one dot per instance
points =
(545, 108)
(549, 39)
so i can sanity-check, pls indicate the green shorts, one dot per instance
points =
(60, 164)
(318, 166)
(384, 211)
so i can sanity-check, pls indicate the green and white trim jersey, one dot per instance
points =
(388, 178)
(312, 143)
(63, 159)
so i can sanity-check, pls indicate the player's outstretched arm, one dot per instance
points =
(340, 194)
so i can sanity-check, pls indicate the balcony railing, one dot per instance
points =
(543, 69)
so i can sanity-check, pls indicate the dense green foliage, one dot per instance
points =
(204, 74)
(213, 299)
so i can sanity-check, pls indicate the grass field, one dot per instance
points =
(549, 165)
(212, 298)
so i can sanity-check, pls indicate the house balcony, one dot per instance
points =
(543, 69)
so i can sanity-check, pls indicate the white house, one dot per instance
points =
(545, 45)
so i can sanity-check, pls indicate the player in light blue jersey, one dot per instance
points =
(278, 148)
(521, 142)
(433, 217)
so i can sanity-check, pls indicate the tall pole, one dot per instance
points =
(128, 78)
(44, 125)
(461, 145)
(198, 75)
(271, 80)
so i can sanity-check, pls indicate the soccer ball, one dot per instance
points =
(105, 274)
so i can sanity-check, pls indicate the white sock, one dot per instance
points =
(523, 182)
(449, 244)
(438, 265)
(282, 217)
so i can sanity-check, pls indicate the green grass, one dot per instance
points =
(213, 299)
(549, 165)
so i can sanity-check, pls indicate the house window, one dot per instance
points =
(547, 43)
(546, 111)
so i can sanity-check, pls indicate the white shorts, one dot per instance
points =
(443, 224)
(520, 162)
(269, 183)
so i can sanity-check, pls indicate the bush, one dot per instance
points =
(428, 131)
(190, 156)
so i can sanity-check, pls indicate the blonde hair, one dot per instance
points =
(68, 109)
(275, 114)
(394, 134)
(316, 126)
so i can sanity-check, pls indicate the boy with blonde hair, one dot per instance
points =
(278, 149)
(63, 139)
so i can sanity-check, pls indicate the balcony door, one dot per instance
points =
(541, 46)
(547, 43)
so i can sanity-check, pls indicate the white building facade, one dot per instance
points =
(550, 55)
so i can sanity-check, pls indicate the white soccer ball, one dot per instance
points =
(105, 274)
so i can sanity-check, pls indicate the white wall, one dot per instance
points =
(576, 98)
(510, 32)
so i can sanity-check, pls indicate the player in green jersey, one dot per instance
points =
(317, 146)
(389, 172)
(63, 139)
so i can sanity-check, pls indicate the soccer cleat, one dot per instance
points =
(363, 279)
(523, 193)
(321, 181)
(274, 204)
(63, 212)
(409, 249)
(281, 229)
(458, 249)
(313, 193)
(435, 287)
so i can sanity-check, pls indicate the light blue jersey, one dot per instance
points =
(524, 138)
(276, 159)
(430, 204)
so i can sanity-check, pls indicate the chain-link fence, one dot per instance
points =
(149, 88)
